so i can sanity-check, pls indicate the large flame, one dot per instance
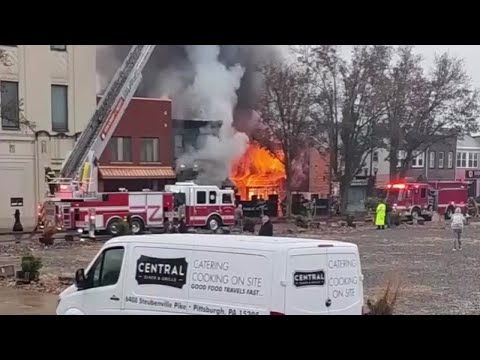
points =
(258, 172)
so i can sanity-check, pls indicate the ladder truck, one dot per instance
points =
(76, 204)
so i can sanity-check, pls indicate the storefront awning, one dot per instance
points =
(137, 172)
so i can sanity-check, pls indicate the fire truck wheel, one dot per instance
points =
(137, 226)
(416, 213)
(214, 222)
(113, 227)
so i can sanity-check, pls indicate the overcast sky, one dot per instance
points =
(470, 53)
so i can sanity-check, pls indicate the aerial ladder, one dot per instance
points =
(78, 177)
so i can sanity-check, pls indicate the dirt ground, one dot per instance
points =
(435, 280)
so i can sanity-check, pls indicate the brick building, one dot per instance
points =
(140, 154)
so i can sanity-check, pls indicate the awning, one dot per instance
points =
(137, 172)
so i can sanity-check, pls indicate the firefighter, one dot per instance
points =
(238, 215)
(49, 178)
(380, 215)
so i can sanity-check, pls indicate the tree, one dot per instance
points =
(350, 104)
(285, 108)
(423, 110)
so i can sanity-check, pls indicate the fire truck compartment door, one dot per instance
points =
(154, 209)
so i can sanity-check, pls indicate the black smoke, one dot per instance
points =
(168, 59)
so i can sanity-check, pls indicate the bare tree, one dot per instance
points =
(423, 110)
(285, 108)
(349, 105)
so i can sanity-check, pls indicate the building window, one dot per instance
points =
(59, 108)
(401, 158)
(121, 149)
(418, 159)
(10, 105)
(467, 159)
(58, 47)
(149, 150)
(450, 160)
(375, 156)
(432, 160)
(179, 148)
(473, 160)
(441, 160)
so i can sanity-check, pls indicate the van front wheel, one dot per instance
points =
(214, 222)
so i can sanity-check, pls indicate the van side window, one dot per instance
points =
(212, 198)
(201, 197)
(227, 199)
(106, 269)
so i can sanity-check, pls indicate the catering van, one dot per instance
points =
(192, 274)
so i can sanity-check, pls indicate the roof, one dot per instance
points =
(137, 172)
(229, 241)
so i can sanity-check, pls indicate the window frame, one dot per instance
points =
(15, 123)
(417, 158)
(431, 159)
(117, 147)
(230, 202)
(54, 48)
(441, 159)
(204, 192)
(100, 261)
(467, 159)
(450, 160)
(210, 193)
(67, 120)
(155, 152)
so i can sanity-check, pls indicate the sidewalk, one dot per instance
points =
(26, 231)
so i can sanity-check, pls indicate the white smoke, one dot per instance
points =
(212, 95)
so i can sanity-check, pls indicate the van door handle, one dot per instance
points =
(114, 298)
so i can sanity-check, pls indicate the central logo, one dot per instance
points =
(158, 271)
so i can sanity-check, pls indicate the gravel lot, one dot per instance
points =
(434, 279)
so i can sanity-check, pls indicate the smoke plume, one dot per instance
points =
(205, 82)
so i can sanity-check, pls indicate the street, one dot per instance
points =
(434, 279)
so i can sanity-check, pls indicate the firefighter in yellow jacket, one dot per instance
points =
(380, 215)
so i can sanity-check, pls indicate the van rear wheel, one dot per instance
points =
(213, 223)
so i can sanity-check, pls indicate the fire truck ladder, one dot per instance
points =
(109, 111)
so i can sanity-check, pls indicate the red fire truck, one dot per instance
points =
(413, 199)
(199, 206)
(74, 203)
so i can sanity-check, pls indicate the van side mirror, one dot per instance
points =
(80, 279)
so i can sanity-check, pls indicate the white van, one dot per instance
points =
(195, 274)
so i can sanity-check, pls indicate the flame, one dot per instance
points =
(258, 172)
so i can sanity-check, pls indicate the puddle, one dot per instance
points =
(23, 302)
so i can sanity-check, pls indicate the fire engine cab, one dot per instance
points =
(414, 199)
(198, 206)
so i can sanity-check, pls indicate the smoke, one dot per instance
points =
(205, 82)
(171, 71)
(216, 103)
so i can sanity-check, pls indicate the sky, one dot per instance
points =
(470, 53)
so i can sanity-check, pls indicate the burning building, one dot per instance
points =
(258, 173)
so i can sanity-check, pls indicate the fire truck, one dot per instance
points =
(74, 203)
(415, 199)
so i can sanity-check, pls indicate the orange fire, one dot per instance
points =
(258, 173)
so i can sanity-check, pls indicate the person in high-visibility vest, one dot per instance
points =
(49, 178)
(380, 215)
